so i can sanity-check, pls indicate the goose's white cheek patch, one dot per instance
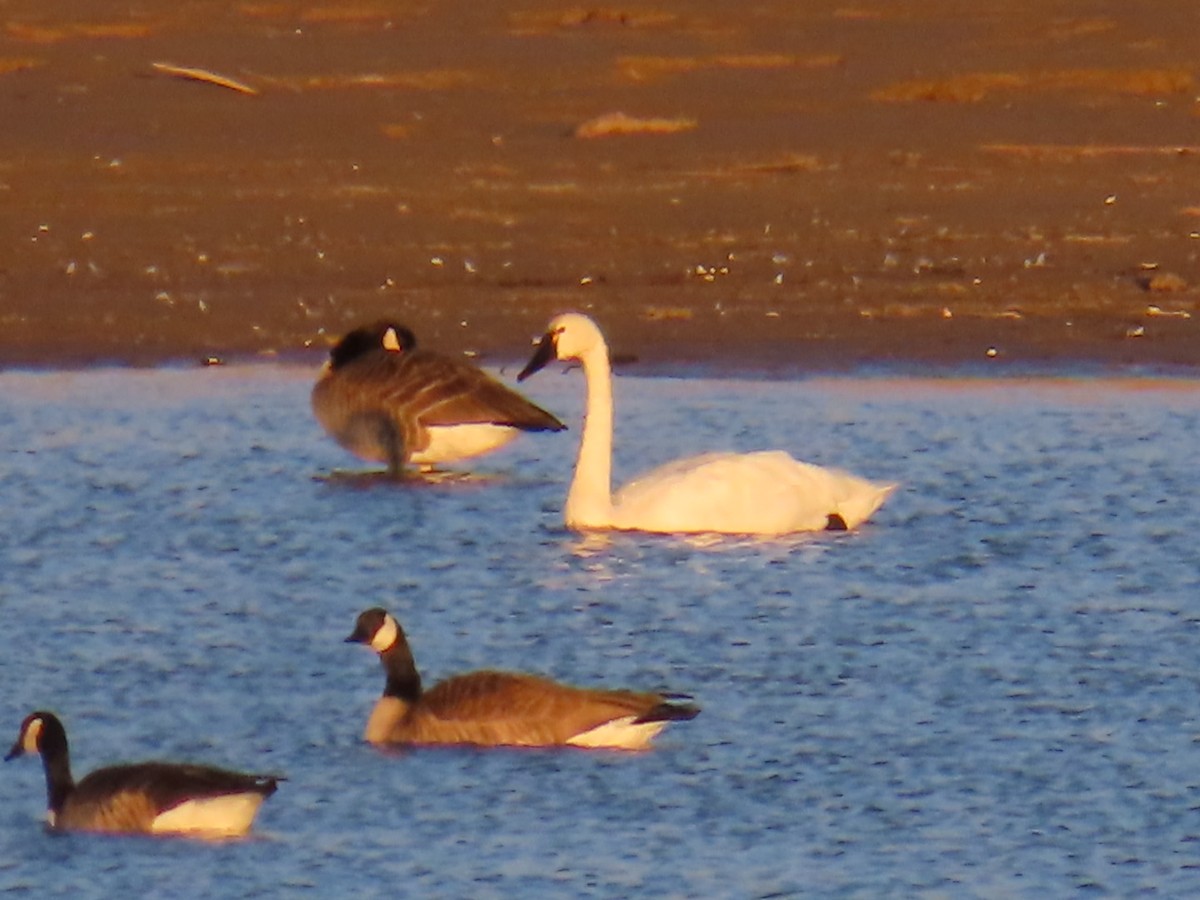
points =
(385, 636)
(32, 735)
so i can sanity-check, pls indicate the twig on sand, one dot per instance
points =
(205, 76)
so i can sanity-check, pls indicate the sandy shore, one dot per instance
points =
(813, 186)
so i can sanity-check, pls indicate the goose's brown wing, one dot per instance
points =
(355, 404)
(505, 708)
(379, 405)
(443, 391)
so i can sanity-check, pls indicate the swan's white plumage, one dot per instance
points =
(766, 492)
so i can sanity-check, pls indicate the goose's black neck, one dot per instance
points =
(403, 680)
(56, 761)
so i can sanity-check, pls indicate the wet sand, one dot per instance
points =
(815, 186)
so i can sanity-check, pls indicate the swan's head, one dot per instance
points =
(378, 337)
(568, 336)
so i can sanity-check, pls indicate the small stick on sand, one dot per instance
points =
(204, 75)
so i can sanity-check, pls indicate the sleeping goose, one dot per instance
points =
(385, 400)
(501, 708)
(766, 493)
(148, 797)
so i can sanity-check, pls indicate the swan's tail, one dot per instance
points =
(859, 505)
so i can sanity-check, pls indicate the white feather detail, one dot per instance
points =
(225, 816)
(449, 443)
(625, 733)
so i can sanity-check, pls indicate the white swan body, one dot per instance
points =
(766, 492)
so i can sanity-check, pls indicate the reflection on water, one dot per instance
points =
(381, 479)
(989, 690)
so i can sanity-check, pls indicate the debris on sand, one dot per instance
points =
(17, 64)
(972, 87)
(545, 21)
(647, 68)
(1163, 283)
(203, 75)
(619, 123)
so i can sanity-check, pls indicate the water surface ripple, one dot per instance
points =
(991, 690)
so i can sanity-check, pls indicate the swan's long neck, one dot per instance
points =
(589, 501)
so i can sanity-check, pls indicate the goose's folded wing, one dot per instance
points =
(427, 388)
(130, 798)
(525, 709)
(453, 393)
(171, 783)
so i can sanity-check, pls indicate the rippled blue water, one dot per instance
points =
(992, 690)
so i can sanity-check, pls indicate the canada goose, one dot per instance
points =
(148, 797)
(501, 708)
(767, 492)
(385, 400)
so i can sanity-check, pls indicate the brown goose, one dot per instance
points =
(147, 798)
(501, 708)
(385, 400)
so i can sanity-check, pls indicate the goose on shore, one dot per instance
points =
(495, 709)
(765, 493)
(145, 798)
(386, 400)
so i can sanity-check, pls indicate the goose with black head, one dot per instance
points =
(387, 400)
(141, 798)
(495, 709)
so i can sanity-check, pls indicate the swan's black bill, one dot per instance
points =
(541, 356)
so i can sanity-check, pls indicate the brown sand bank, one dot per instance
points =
(815, 184)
